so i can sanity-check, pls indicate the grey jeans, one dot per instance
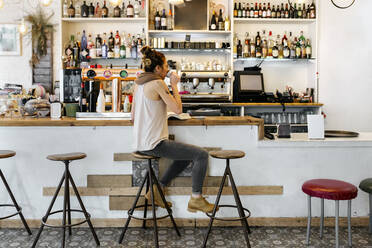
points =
(182, 154)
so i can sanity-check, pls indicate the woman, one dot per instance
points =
(149, 114)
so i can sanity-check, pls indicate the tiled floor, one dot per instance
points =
(191, 237)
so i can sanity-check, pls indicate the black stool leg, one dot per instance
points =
(215, 208)
(65, 195)
(165, 203)
(239, 204)
(83, 208)
(45, 218)
(146, 202)
(68, 204)
(132, 209)
(15, 203)
(156, 241)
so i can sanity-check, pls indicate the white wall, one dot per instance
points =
(344, 64)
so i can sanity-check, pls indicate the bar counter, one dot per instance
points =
(269, 177)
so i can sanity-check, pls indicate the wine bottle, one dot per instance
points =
(235, 10)
(122, 49)
(99, 46)
(163, 21)
(221, 25)
(239, 49)
(213, 22)
(83, 99)
(157, 21)
(170, 19)
(104, 50)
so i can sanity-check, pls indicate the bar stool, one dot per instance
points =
(229, 154)
(66, 179)
(9, 154)
(150, 180)
(366, 186)
(331, 190)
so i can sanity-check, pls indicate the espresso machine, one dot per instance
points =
(205, 86)
(116, 77)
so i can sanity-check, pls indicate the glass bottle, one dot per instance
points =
(235, 10)
(105, 11)
(264, 11)
(99, 46)
(251, 12)
(111, 41)
(221, 24)
(270, 45)
(308, 49)
(157, 21)
(312, 10)
(268, 12)
(163, 21)
(130, 10)
(104, 49)
(84, 10)
(117, 11)
(136, 9)
(65, 8)
(239, 49)
(260, 11)
(98, 11)
(213, 22)
(91, 10)
(275, 51)
(122, 49)
(71, 10)
(246, 46)
(286, 13)
(170, 19)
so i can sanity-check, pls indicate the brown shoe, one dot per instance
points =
(200, 204)
(157, 198)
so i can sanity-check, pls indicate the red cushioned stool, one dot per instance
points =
(332, 190)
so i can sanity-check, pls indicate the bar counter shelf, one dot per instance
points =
(275, 20)
(272, 60)
(100, 20)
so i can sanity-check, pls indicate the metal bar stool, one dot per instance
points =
(366, 186)
(9, 154)
(332, 190)
(150, 180)
(66, 179)
(229, 154)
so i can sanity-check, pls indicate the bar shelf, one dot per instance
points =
(274, 21)
(105, 20)
(188, 32)
(275, 60)
(180, 50)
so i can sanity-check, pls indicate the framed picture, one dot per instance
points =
(10, 40)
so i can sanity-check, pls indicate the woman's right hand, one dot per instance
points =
(174, 79)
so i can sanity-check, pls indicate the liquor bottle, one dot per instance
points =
(136, 9)
(213, 21)
(221, 24)
(122, 49)
(280, 47)
(134, 48)
(243, 11)
(111, 41)
(69, 49)
(258, 46)
(91, 10)
(105, 10)
(273, 12)
(299, 11)
(295, 11)
(235, 10)
(264, 49)
(304, 11)
(285, 39)
(308, 49)
(264, 11)
(251, 12)
(293, 49)
(84, 10)
(98, 11)
(256, 11)
(298, 49)
(101, 100)
(239, 49)
(104, 50)
(157, 21)
(286, 50)
(76, 55)
(98, 46)
(130, 10)
(139, 46)
(260, 11)
(163, 21)
(235, 46)
(90, 42)
(65, 8)
(282, 11)
(83, 99)
(303, 51)
(308, 11)
(84, 46)
(117, 45)
(128, 48)
(258, 39)
(302, 39)
(270, 45)
(170, 19)
(275, 51)
(253, 49)
(117, 11)
(240, 14)
(71, 10)
(312, 10)
(291, 12)
(246, 46)
(110, 53)
(286, 12)
(268, 13)
(123, 12)
(227, 23)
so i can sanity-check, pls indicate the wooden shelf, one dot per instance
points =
(188, 31)
(105, 20)
(274, 21)
(272, 60)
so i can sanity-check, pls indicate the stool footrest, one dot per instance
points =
(230, 219)
(148, 218)
(14, 214)
(64, 226)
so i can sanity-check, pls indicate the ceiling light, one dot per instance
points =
(115, 2)
(176, 2)
(46, 2)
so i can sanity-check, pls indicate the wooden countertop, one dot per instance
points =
(68, 121)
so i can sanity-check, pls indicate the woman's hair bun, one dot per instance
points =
(146, 51)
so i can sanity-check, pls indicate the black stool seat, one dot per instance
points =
(67, 156)
(366, 185)
(227, 154)
(140, 155)
(6, 154)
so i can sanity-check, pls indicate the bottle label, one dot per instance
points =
(84, 101)
(286, 53)
(213, 26)
(308, 51)
(130, 12)
(163, 22)
(275, 53)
